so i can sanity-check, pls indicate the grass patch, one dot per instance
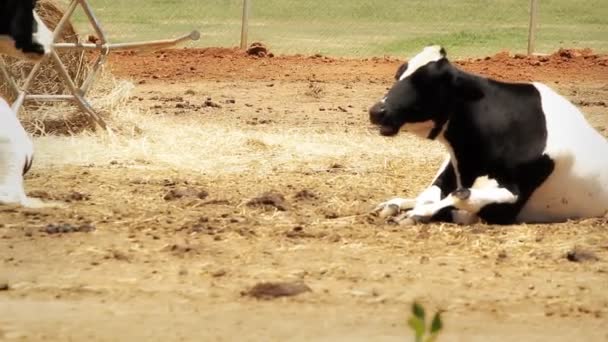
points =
(363, 27)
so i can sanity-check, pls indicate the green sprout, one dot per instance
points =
(417, 323)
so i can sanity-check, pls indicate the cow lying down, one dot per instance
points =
(16, 153)
(518, 152)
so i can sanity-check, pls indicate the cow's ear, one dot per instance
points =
(466, 87)
(400, 71)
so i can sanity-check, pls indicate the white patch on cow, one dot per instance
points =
(429, 54)
(479, 198)
(15, 148)
(43, 36)
(578, 186)
(485, 182)
(421, 129)
(431, 194)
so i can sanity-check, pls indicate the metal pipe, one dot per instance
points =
(80, 101)
(50, 98)
(245, 23)
(66, 16)
(145, 45)
(22, 92)
(532, 27)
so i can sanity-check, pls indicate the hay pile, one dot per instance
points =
(62, 118)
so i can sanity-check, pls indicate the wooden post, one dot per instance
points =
(245, 23)
(532, 27)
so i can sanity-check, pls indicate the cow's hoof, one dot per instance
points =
(462, 194)
(389, 210)
(386, 209)
(407, 220)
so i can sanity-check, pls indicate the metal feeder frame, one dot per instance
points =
(78, 93)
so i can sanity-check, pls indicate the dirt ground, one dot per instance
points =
(164, 244)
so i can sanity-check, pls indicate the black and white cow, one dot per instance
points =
(22, 32)
(518, 152)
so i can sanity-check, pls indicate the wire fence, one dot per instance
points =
(360, 28)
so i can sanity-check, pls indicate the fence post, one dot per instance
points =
(245, 23)
(532, 27)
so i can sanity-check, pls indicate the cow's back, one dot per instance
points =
(578, 186)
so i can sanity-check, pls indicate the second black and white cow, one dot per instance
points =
(22, 32)
(518, 152)
(16, 153)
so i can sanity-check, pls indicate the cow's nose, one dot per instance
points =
(377, 112)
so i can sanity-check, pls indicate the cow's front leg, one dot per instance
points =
(470, 200)
(397, 205)
(444, 183)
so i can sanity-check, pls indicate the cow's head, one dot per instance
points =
(419, 101)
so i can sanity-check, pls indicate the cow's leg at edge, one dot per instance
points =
(443, 184)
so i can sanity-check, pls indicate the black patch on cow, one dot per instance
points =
(502, 135)
(442, 52)
(17, 21)
(446, 180)
(28, 164)
(527, 178)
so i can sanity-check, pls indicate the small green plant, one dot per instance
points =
(418, 324)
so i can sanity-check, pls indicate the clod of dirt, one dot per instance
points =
(298, 232)
(502, 255)
(64, 228)
(93, 39)
(179, 193)
(580, 255)
(4, 286)
(76, 196)
(205, 228)
(331, 215)
(181, 249)
(570, 53)
(306, 194)
(271, 290)
(259, 50)
(209, 103)
(40, 194)
(219, 273)
(269, 199)
(118, 255)
(73, 196)
(336, 166)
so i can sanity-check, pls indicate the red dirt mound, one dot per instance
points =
(234, 64)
